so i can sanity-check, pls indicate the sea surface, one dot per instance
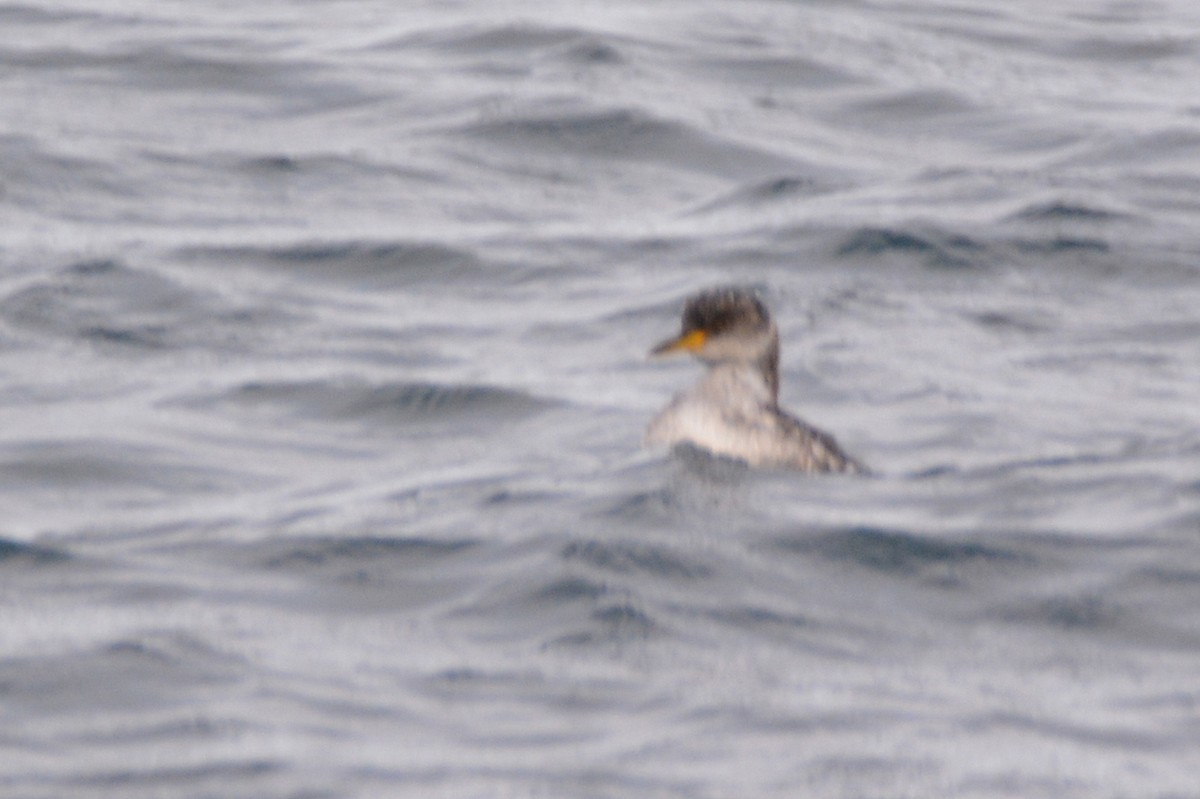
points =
(323, 377)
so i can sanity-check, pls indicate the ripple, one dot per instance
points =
(900, 553)
(1024, 322)
(614, 623)
(390, 403)
(132, 672)
(318, 168)
(1059, 211)
(1084, 612)
(782, 189)
(764, 73)
(352, 574)
(516, 687)
(363, 264)
(945, 250)
(40, 179)
(108, 303)
(20, 553)
(754, 619)
(29, 15)
(916, 109)
(569, 589)
(501, 48)
(633, 135)
(100, 464)
(295, 85)
(622, 620)
(1060, 245)
(1140, 50)
(625, 557)
(350, 555)
(164, 778)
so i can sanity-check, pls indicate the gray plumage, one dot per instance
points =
(734, 409)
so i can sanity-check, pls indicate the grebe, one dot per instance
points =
(734, 410)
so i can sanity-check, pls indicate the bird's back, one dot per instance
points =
(731, 412)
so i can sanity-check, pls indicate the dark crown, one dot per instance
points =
(725, 310)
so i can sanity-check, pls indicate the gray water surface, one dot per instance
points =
(323, 380)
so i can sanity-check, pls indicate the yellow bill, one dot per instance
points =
(688, 342)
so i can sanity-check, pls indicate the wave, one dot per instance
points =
(901, 553)
(936, 248)
(628, 134)
(358, 263)
(23, 553)
(400, 402)
(103, 464)
(109, 302)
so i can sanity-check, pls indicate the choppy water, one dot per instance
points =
(322, 337)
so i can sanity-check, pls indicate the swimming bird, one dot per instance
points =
(733, 411)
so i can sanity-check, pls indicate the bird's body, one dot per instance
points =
(733, 411)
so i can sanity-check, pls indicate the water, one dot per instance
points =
(323, 332)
